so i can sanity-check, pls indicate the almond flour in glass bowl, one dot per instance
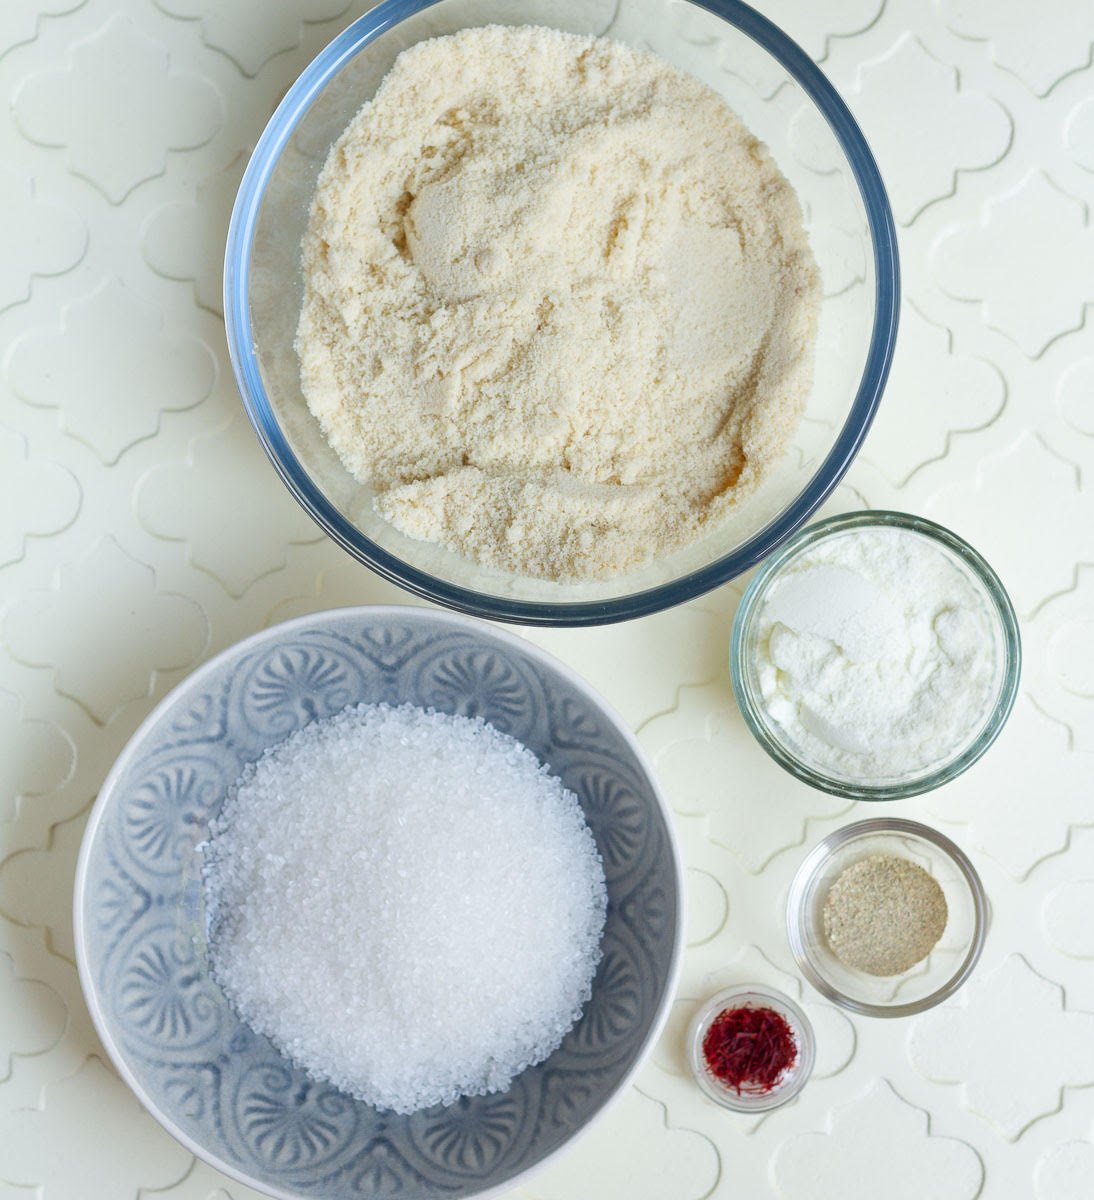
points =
(781, 97)
(559, 305)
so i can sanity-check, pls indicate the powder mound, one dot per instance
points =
(884, 914)
(876, 654)
(406, 903)
(559, 303)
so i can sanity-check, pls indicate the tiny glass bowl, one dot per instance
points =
(774, 738)
(751, 995)
(930, 981)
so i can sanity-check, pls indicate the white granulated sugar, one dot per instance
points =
(406, 903)
(559, 303)
(876, 654)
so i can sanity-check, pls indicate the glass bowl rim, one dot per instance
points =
(815, 861)
(237, 271)
(766, 733)
(803, 1031)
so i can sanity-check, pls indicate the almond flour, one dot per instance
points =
(559, 303)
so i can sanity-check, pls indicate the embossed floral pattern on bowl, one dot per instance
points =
(223, 1090)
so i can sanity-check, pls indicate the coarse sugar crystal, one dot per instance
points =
(406, 903)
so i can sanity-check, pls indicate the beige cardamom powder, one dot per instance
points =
(884, 914)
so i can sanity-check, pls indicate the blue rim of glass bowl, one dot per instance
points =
(237, 270)
(766, 731)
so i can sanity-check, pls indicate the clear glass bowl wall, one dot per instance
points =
(752, 995)
(952, 761)
(929, 982)
(783, 99)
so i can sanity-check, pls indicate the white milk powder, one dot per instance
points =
(876, 653)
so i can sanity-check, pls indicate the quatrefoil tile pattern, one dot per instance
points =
(959, 1043)
(990, 507)
(1075, 396)
(36, 757)
(1036, 230)
(1079, 133)
(142, 530)
(90, 1168)
(163, 631)
(815, 30)
(1060, 676)
(990, 800)
(185, 240)
(1040, 52)
(32, 1016)
(748, 804)
(38, 238)
(842, 1160)
(109, 345)
(1065, 918)
(117, 108)
(44, 494)
(250, 34)
(924, 147)
(952, 394)
(181, 502)
(22, 23)
(1065, 1171)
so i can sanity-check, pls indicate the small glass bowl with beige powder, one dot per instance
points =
(886, 917)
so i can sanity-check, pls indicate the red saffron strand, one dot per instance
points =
(750, 1049)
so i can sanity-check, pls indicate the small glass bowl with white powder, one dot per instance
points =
(849, 871)
(876, 655)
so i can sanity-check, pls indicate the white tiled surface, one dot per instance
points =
(141, 530)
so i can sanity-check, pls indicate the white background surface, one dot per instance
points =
(141, 530)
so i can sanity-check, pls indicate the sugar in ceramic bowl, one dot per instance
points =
(953, 760)
(782, 97)
(929, 982)
(140, 926)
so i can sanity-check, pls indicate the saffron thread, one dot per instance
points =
(750, 1049)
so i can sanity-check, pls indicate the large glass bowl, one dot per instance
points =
(781, 96)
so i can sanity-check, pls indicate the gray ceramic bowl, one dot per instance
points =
(224, 1092)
